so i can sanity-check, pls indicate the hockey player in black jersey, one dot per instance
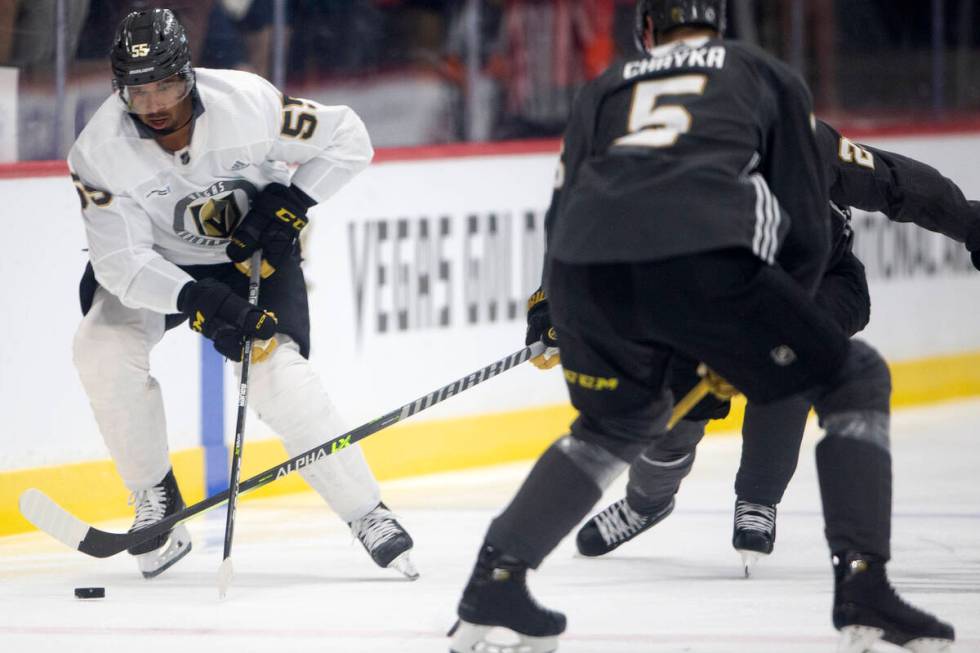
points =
(860, 176)
(690, 217)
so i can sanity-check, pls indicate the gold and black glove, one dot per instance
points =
(711, 383)
(540, 328)
(217, 313)
(272, 224)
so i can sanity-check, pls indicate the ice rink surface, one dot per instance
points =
(301, 584)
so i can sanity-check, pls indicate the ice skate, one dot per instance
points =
(497, 613)
(616, 525)
(160, 553)
(388, 544)
(754, 532)
(867, 609)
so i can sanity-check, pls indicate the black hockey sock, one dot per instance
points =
(555, 497)
(856, 490)
(771, 437)
(656, 474)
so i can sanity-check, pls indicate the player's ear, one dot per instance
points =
(648, 38)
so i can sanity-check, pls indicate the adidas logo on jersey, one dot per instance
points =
(239, 165)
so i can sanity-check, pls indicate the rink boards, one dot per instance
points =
(418, 274)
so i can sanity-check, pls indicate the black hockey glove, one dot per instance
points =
(216, 312)
(273, 223)
(539, 327)
(843, 293)
(973, 237)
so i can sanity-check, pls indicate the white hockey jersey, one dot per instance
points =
(146, 210)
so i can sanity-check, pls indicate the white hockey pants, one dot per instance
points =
(112, 354)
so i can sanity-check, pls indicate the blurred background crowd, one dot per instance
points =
(437, 71)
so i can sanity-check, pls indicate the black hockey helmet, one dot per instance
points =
(668, 14)
(150, 46)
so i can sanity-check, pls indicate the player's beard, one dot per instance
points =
(161, 121)
(164, 123)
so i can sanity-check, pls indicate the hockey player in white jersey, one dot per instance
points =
(182, 174)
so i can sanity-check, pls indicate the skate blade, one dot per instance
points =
(929, 645)
(404, 565)
(473, 638)
(858, 639)
(749, 560)
(156, 562)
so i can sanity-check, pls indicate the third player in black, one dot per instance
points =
(690, 217)
(864, 177)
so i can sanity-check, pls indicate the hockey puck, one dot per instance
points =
(89, 592)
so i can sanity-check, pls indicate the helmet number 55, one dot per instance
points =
(651, 125)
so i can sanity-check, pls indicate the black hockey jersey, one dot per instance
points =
(904, 189)
(702, 145)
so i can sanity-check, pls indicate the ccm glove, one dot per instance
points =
(539, 327)
(216, 312)
(277, 216)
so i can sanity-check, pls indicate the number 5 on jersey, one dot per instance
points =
(651, 125)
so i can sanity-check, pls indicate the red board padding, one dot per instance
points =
(33, 169)
(856, 131)
(383, 155)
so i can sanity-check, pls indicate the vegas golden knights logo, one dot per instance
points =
(208, 217)
(216, 217)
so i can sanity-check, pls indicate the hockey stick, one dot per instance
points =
(225, 570)
(710, 383)
(54, 520)
(690, 400)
